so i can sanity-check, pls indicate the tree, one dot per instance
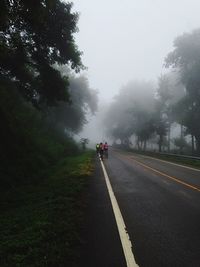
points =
(144, 129)
(169, 92)
(129, 113)
(33, 36)
(181, 143)
(71, 117)
(186, 58)
(117, 122)
(84, 142)
(160, 128)
(164, 107)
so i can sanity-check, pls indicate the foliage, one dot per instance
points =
(73, 116)
(33, 36)
(140, 111)
(181, 143)
(129, 114)
(169, 92)
(162, 114)
(186, 58)
(31, 45)
(28, 145)
(41, 175)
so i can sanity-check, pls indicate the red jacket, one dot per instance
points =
(105, 146)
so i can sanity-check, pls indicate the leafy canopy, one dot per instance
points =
(33, 36)
(186, 58)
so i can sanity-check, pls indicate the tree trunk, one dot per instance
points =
(169, 136)
(145, 145)
(198, 144)
(192, 136)
(138, 143)
(160, 143)
(182, 136)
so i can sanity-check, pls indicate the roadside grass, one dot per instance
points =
(40, 223)
(172, 158)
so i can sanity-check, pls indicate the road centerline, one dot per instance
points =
(124, 237)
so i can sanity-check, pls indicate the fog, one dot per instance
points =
(124, 41)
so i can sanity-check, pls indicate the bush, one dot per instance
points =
(28, 145)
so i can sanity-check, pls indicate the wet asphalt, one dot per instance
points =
(101, 245)
(162, 216)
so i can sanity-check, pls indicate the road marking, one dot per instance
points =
(179, 165)
(125, 240)
(168, 176)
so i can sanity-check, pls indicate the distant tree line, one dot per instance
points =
(147, 113)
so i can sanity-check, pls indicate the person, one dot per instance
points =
(97, 148)
(101, 150)
(106, 149)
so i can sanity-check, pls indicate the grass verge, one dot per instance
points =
(40, 224)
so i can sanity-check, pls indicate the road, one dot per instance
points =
(160, 204)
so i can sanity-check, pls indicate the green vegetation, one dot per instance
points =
(42, 170)
(34, 36)
(42, 178)
(40, 223)
(29, 145)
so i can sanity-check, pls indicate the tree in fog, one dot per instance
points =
(163, 110)
(169, 91)
(144, 127)
(186, 58)
(72, 116)
(130, 113)
(116, 122)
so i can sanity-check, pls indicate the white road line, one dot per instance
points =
(125, 240)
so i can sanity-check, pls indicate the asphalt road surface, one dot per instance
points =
(160, 205)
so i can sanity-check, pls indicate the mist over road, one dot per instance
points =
(160, 204)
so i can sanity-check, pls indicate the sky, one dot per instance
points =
(128, 40)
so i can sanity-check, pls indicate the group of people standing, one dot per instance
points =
(102, 149)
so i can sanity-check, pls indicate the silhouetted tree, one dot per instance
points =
(169, 92)
(33, 36)
(186, 58)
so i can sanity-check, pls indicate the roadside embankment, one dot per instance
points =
(40, 223)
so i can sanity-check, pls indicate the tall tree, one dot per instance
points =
(129, 113)
(33, 36)
(72, 116)
(186, 58)
(164, 97)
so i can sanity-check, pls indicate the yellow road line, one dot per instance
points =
(168, 176)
